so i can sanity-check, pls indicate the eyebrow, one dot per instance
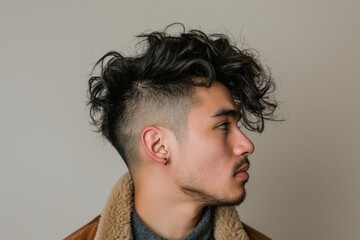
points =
(227, 112)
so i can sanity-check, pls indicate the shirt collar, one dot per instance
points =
(203, 230)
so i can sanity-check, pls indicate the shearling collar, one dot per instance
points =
(115, 222)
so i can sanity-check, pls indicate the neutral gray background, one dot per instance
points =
(55, 173)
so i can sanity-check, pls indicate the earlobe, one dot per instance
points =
(152, 141)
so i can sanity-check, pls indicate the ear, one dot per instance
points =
(153, 143)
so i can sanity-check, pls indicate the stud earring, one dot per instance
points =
(166, 161)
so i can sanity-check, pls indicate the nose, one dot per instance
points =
(243, 146)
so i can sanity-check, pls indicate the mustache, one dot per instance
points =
(239, 165)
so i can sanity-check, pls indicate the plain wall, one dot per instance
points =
(55, 173)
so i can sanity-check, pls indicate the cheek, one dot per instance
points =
(208, 155)
(205, 149)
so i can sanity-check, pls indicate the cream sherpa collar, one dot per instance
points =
(115, 222)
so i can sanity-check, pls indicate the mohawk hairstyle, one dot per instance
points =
(164, 75)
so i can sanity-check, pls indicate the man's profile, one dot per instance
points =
(174, 113)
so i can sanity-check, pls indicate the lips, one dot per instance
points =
(242, 172)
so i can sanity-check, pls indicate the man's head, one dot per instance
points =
(156, 87)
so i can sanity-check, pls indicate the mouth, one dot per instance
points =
(242, 171)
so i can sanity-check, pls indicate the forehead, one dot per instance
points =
(211, 99)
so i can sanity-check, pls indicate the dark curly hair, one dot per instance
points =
(155, 86)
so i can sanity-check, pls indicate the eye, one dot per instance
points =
(223, 126)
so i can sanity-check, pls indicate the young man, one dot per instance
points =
(173, 113)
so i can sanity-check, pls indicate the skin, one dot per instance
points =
(208, 167)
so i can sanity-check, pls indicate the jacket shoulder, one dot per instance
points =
(254, 234)
(87, 232)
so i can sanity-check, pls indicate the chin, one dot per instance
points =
(235, 201)
(208, 199)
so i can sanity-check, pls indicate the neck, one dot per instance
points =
(164, 209)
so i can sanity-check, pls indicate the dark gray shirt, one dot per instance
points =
(202, 231)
